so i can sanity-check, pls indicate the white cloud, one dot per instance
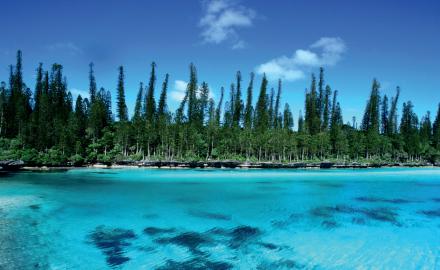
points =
(69, 47)
(327, 51)
(221, 20)
(179, 90)
(76, 92)
(239, 45)
(178, 94)
(332, 49)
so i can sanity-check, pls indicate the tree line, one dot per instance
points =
(46, 127)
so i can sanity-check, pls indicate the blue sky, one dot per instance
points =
(396, 42)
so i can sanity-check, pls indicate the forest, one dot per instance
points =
(45, 126)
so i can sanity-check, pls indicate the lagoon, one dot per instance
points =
(221, 219)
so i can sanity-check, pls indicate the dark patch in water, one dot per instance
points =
(108, 172)
(330, 185)
(329, 224)
(197, 263)
(241, 236)
(382, 200)
(380, 214)
(430, 213)
(4, 174)
(281, 264)
(112, 241)
(190, 240)
(358, 220)
(280, 224)
(275, 188)
(184, 183)
(293, 218)
(151, 216)
(329, 211)
(425, 184)
(209, 215)
(321, 212)
(156, 230)
(188, 199)
(266, 182)
(269, 246)
(436, 199)
(35, 207)
(218, 231)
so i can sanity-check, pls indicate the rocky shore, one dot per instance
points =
(11, 165)
(228, 164)
(265, 165)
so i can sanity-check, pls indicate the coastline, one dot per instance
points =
(229, 165)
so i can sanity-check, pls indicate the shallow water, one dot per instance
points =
(220, 219)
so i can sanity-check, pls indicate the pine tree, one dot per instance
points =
(218, 111)
(163, 118)
(409, 131)
(203, 104)
(138, 118)
(277, 121)
(261, 113)
(121, 106)
(249, 109)
(150, 104)
(150, 113)
(3, 108)
(321, 96)
(426, 130)
(192, 95)
(312, 118)
(37, 107)
(301, 123)
(287, 117)
(12, 96)
(162, 107)
(45, 116)
(271, 108)
(370, 121)
(336, 125)
(229, 108)
(81, 125)
(436, 130)
(238, 103)
(326, 109)
(137, 115)
(92, 84)
(392, 116)
(384, 115)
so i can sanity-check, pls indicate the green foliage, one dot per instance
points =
(45, 127)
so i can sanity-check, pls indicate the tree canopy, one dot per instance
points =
(44, 126)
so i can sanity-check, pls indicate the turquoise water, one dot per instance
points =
(220, 219)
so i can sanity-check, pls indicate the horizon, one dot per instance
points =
(223, 37)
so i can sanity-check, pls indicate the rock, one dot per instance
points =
(326, 165)
(11, 165)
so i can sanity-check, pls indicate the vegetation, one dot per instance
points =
(46, 127)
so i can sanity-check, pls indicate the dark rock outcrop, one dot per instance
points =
(11, 165)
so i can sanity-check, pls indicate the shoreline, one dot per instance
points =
(228, 165)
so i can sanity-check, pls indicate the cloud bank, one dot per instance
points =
(178, 94)
(69, 47)
(179, 90)
(222, 19)
(76, 92)
(327, 51)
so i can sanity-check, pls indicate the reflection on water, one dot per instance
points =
(220, 219)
